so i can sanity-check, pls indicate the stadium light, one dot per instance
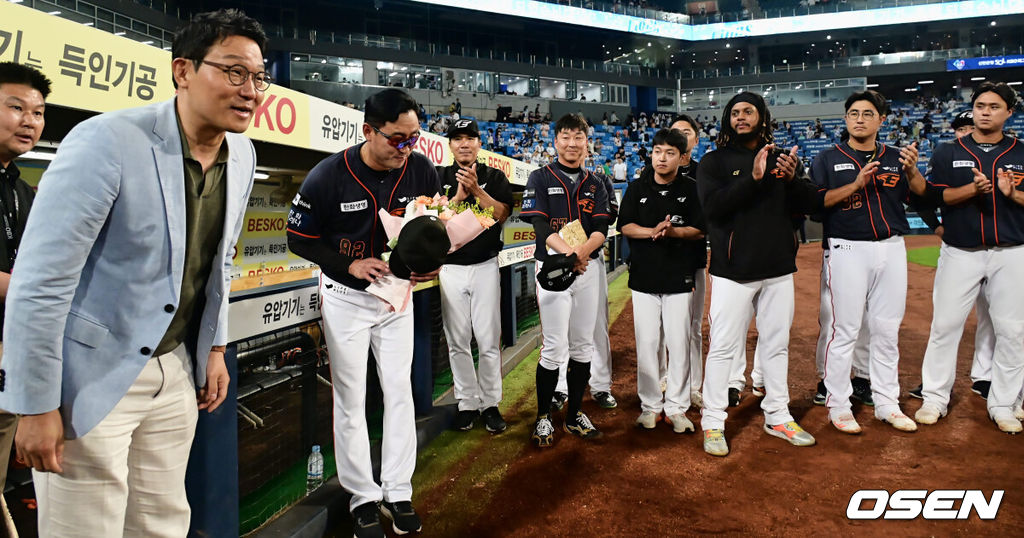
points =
(1013, 83)
(977, 78)
(871, 86)
(926, 82)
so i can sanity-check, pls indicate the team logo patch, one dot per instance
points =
(403, 200)
(681, 199)
(844, 166)
(676, 219)
(348, 207)
(555, 190)
(643, 200)
(963, 164)
(529, 203)
(735, 172)
(529, 193)
(298, 201)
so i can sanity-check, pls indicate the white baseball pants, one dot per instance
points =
(984, 340)
(654, 317)
(732, 306)
(356, 322)
(470, 300)
(958, 281)
(126, 476)
(567, 319)
(601, 363)
(865, 277)
(861, 351)
(695, 348)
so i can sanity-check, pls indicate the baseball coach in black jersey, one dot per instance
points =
(334, 223)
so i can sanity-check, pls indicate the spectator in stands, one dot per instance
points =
(598, 145)
(604, 119)
(458, 107)
(619, 170)
(614, 118)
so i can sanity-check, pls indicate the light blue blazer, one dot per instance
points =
(101, 259)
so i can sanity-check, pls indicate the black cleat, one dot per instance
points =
(558, 401)
(581, 427)
(981, 388)
(820, 394)
(366, 521)
(605, 400)
(917, 392)
(493, 421)
(543, 432)
(403, 518)
(464, 420)
(862, 391)
(734, 397)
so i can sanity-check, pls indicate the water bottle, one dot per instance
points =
(314, 470)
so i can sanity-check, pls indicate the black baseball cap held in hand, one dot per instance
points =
(422, 247)
(556, 273)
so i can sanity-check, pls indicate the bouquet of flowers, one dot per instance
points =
(463, 222)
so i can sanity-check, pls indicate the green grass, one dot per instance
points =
(459, 472)
(927, 256)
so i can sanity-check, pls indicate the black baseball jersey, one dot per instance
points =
(750, 222)
(668, 264)
(333, 219)
(873, 213)
(496, 185)
(552, 196)
(985, 220)
(687, 172)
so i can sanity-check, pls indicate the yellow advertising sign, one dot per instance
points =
(90, 69)
(282, 117)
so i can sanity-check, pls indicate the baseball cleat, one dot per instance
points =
(366, 521)
(981, 388)
(1008, 424)
(558, 401)
(862, 391)
(696, 399)
(464, 420)
(927, 415)
(734, 397)
(679, 422)
(820, 394)
(647, 420)
(605, 400)
(900, 421)
(757, 390)
(493, 421)
(582, 427)
(714, 443)
(403, 517)
(917, 392)
(1018, 413)
(543, 432)
(846, 424)
(792, 432)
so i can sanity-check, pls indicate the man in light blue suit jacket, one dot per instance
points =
(117, 311)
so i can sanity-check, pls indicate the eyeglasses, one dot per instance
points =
(239, 75)
(855, 114)
(398, 141)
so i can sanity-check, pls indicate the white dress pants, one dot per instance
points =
(126, 476)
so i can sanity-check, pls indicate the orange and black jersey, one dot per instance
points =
(988, 219)
(333, 219)
(873, 213)
(554, 200)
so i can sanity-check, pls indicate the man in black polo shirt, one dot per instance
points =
(334, 223)
(661, 217)
(470, 288)
(23, 91)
